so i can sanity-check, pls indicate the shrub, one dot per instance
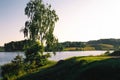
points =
(34, 55)
(14, 69)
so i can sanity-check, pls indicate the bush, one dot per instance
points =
(11, 71)
(14, 69)
(34, 55)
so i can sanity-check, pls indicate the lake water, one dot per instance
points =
(6, 57)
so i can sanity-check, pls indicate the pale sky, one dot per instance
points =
(80, 20)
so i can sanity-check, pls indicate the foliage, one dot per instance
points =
(16, 46)
(17, 68)
(39, 29)
(106, 41)
(105, 44)
(42, 21)
(73, 44)
(23, 44)
(102, 44)
(33, 55)
(13, 70)
(51, 42)
(56, 47)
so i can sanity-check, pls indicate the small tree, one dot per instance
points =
(39, 28)
(18, 59)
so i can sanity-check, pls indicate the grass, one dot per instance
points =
(87, 48)
(79, 68)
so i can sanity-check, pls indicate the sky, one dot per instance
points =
(79, 20)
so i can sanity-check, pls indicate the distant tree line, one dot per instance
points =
(102, 44)
(73, 44)
(16, 45)
(115, 42)
(22, 45)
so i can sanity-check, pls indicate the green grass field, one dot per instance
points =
(79, 68)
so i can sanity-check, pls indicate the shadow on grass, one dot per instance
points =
(74, 69)
(108, 69)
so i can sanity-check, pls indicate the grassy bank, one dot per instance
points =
(79, 49)
(79, 68)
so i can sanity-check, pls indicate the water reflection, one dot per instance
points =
(68, 54)
(6, 57)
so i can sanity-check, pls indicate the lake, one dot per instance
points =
(6, 57)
